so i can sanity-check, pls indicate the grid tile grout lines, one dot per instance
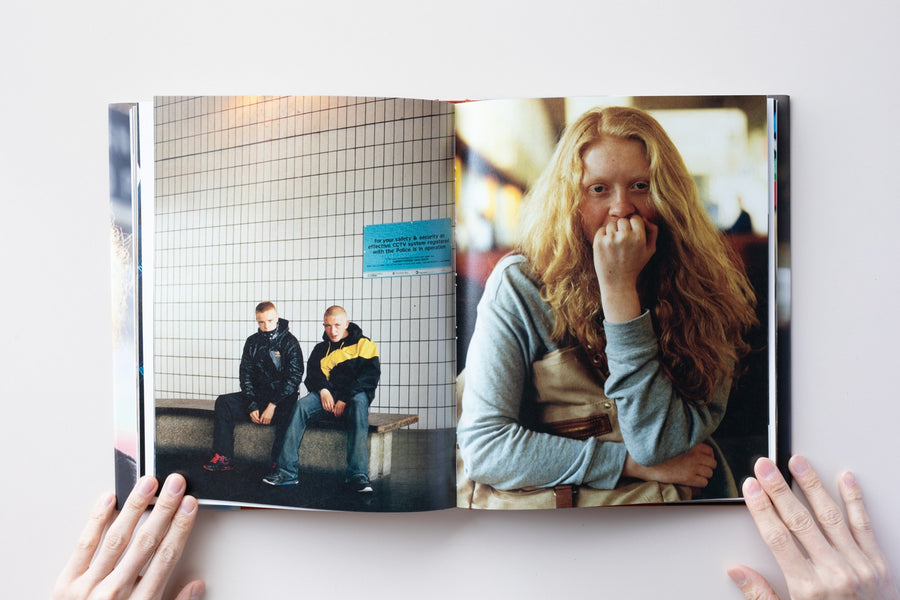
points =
(266, 198)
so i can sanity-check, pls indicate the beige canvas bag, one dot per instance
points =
(569, 402)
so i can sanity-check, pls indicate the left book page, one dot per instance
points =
(307, 203)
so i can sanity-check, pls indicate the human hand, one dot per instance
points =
(621, 250)
(109, 566)
(339, 406)
(266, 417)
(254, 416)
(822, 555)
(327, 400)
(693, 468)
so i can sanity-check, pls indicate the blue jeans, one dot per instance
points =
(309, 410)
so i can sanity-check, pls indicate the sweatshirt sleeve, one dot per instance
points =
(656, 423)
(496, 448)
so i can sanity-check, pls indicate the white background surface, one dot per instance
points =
(62, 63)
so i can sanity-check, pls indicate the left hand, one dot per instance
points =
(266, 417)
(110, 565)
(327, 400)
(693, 468)
(339, 406)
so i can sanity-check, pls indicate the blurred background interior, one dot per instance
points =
(502, 147)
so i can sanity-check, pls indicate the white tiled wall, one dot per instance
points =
(260, 198)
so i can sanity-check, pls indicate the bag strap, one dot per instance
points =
(565, 495)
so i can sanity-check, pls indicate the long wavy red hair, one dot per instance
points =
(699, 297)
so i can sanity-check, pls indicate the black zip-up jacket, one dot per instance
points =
(271, 366)
(345, 367)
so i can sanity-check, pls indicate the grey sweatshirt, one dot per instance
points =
(512, 332)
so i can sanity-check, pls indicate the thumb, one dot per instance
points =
(192, 591)
(752, 584)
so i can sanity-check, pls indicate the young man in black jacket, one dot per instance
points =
(342, 375)
(270, 374)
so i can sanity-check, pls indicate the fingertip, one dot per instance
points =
(849, 487)
(188, 505)
(751, 488)
(192, 591)
(766, 470)
(848, 479)
(175, 484)
(738, 575)
(799, 465)
(146, 486)
(106, 501)
(751, 583)
(761, 460)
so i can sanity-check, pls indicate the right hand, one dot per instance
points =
(327, 400)
(822, 553)
(693, 468)
(621, 251)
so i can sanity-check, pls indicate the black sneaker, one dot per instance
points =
(280, 478)
(361, 484)
(219, 463)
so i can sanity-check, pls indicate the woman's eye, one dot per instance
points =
(598, 189)
(642, 185)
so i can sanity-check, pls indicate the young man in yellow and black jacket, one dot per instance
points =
(342, 374)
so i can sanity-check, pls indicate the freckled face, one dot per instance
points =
(615, 184)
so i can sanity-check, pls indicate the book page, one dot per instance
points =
(274, 199)
(549, 417)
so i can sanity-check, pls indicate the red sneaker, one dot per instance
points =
(219, 463)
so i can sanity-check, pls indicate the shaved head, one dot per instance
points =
(336, 323)
(334, 311)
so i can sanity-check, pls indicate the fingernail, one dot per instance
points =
(848, 479)
(107, 500)
(765, 469)
(188, 505)
(799, 465)
(174, 485)
(752, 488)
(146, 485)
(738, 577)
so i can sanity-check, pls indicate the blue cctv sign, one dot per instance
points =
(408, 248)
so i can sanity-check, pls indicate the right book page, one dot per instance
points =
(616, 299)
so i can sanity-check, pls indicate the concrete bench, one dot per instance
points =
(186, 425)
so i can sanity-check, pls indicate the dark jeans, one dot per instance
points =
(235, 408)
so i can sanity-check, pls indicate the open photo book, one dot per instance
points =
(394, 304)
